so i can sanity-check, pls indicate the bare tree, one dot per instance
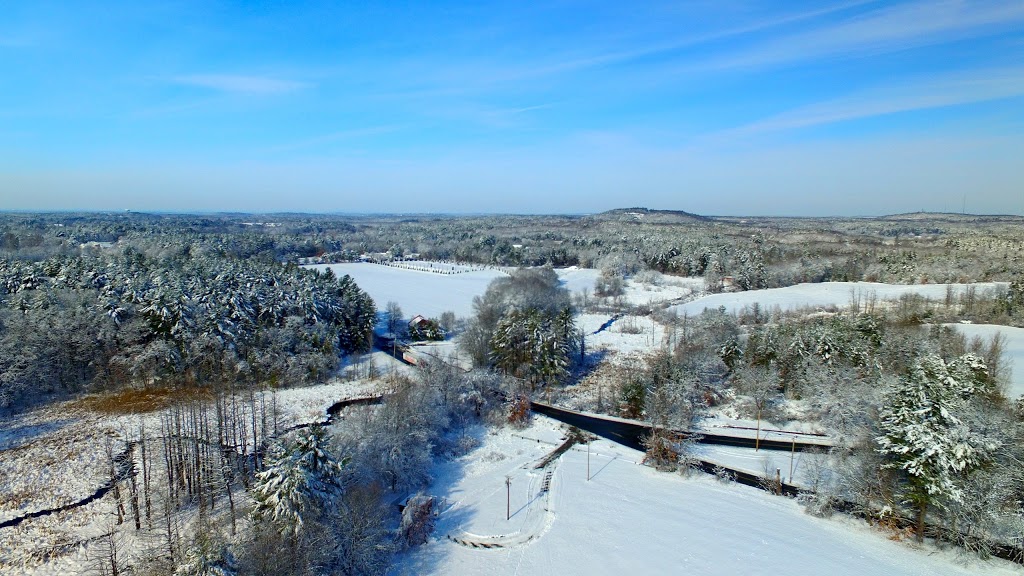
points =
(447, 321)
(394, 312)
(761, 385)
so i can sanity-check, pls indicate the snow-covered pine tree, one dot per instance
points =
(924, 435)
(534, 345)
(298, 482)
(207, 557)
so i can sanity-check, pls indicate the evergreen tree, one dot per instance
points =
(207, 557)
(924, 434)
(298, 482)
(534, 345)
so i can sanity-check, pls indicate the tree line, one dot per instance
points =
(71, 324)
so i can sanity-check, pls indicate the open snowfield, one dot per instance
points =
(630, 519)
(1013, 350)
(823, 295)
(577, 280)
(417, 291)
(651, 288)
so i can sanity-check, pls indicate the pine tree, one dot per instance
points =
(534, 345)
(207, 557)
(924, 435)
(298, 482)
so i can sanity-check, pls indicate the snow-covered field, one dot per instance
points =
(626, 335)
(417, 291)
(649, 288)
(1013, 350)
(630, 519)
(823, 295)
(645, 289)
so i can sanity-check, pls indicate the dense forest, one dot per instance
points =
(196, 311)
(755, 252)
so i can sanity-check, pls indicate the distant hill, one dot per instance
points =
(652, 216)
(950, 217)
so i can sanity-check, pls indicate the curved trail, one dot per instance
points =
(542, 476)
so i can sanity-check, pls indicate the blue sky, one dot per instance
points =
(731, 108)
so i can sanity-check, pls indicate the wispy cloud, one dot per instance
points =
(884, 30)
(950, 90)
(491, 116)
(240, 84)
(697, 40)
(447, 78)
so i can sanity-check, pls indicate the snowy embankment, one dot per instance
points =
(823, 295)
(630, 519)
(796, 468)
(1013, 350)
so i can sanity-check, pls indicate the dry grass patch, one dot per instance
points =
(133, 401)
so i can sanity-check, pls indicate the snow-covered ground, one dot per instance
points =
(630, 519)
(578, 280)
(445, 351)
(309, 404)
(645, 289)
(650, 288)
(51, 459)
(626, 335)
(823, 295)
(1013, 350)
(795, 468)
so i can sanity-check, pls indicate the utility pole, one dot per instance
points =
(588, 458)
(757, 435)
(508, 497)
(792, 453)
